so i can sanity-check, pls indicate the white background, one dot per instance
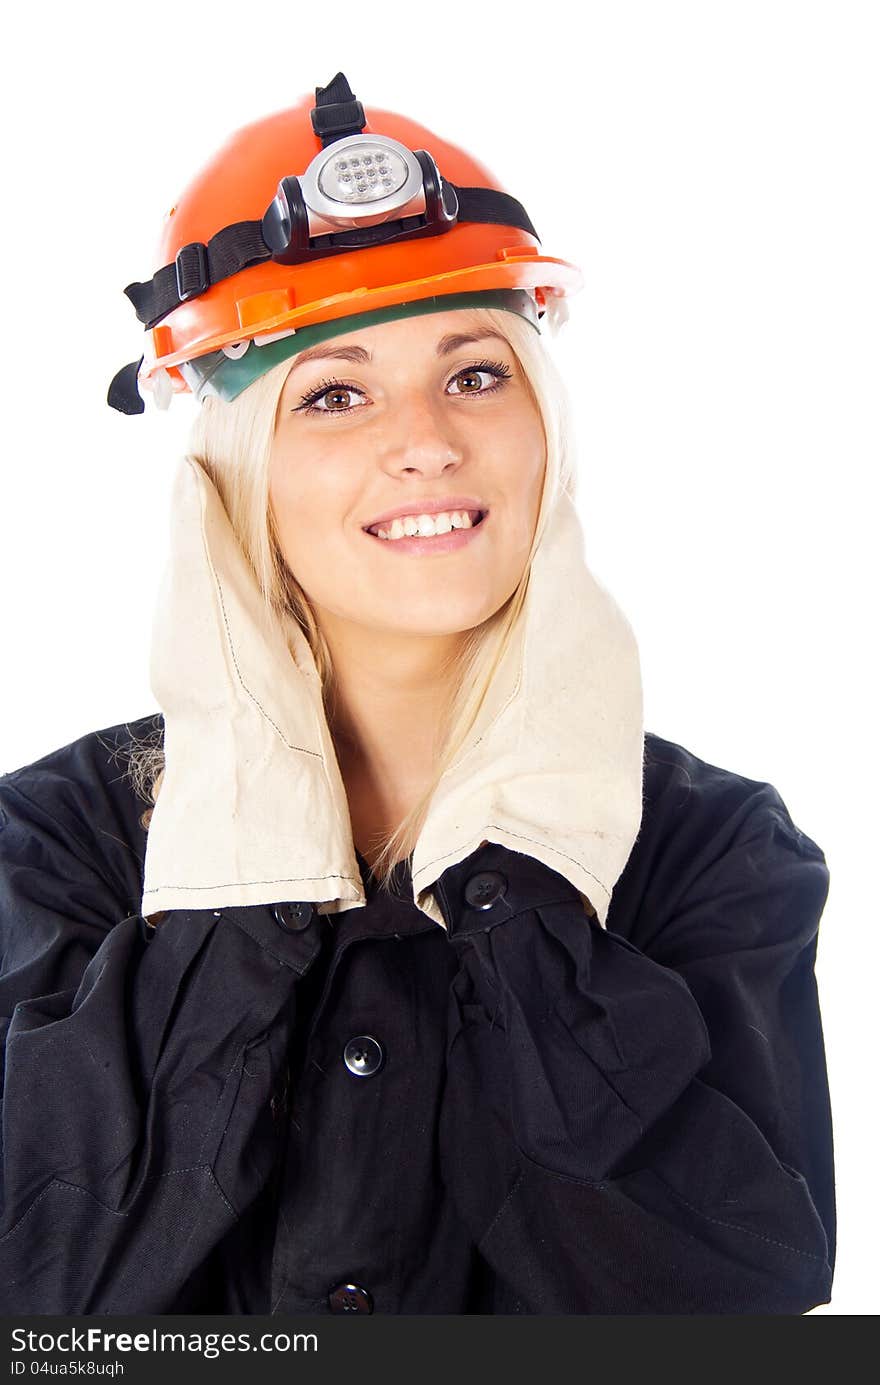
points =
(712, 167)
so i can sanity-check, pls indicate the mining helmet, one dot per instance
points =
(317, 220)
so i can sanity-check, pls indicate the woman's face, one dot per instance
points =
(414, 413)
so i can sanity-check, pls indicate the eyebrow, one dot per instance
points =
(357, 355)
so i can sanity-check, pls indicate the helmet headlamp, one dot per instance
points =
(362, 190)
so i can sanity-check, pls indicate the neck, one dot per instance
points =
(391, 692)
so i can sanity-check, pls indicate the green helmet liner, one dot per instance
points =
(226, 377)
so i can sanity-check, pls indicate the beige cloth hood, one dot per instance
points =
(252, 808)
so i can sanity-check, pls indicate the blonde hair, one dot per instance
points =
(233, 441)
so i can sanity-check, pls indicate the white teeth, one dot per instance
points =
(426, 525)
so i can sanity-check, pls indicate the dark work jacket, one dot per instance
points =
(268, 1110)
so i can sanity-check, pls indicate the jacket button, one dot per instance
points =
(363, 1055)
(293, 918)
(485, 888)
(350, 1298)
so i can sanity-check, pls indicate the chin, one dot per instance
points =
(436, 622)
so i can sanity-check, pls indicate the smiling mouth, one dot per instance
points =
(385, 533)
(436, 545)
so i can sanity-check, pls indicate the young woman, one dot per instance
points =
(428, 982)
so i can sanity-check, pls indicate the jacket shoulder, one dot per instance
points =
(81, 795)
(679, 785)
(704, 826)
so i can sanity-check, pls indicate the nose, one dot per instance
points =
(421, 438)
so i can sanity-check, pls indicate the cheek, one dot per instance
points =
(523, 453)
(308, 504)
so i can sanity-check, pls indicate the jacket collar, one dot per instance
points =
(253, 809)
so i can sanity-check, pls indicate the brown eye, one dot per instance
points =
(496, 372)
(473, 376)
(334, 390)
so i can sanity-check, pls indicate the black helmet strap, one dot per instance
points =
(197, 266)
(336, 113)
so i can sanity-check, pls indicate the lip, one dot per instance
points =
(426, 506)
(418, 545)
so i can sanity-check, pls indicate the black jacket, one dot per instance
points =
(267, 1110)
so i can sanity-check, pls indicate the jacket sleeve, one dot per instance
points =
(632, 1131)
(136, 1069)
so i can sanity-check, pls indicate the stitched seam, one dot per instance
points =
(24, 1216)
(489, 1228)
(601, 1184)
(114, 1211)
(807, 1254)
(555, 1014)
(221, 1193)
(521, 836)
(181, 1246)
(237, 884)
(295, 879)
(605, 1184)
(260, 1038)
(239, 1057)
(285, 961)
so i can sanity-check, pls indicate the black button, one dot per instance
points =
(485, 888)
(293, 918)
(363, 1055)
(350, 1298)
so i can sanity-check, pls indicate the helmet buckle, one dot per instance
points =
(191, 266)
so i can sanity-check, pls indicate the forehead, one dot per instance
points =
(439, 333)
(429, 325)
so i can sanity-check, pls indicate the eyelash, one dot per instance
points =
(307, 403)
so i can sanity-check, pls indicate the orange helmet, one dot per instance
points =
(315, 220)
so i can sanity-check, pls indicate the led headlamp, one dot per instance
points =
(363, 190)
